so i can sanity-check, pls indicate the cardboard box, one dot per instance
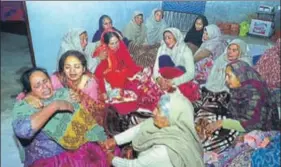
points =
(260, 27)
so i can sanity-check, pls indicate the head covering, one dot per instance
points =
(118, 66)
(180, 54)
(244, 53)
(60, 127)
(179, 46)
(216, 78)
(181, 130)
(98, 33)
(194, 36)
(213, 32)
(251, 103)
(155, 28)
(177, 50)
(134, 32)
(244, 72)
(112, 59)
(215, 43)
(71, 41)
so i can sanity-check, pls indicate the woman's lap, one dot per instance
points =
(88, 155)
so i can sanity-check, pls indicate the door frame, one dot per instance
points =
(29, 38)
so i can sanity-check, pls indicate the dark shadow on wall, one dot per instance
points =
(14, 27)
(14, 19)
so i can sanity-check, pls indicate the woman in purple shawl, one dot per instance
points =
(251, 103)
(250, 107)
(105, 22)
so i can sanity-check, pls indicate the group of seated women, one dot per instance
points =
(63, 119)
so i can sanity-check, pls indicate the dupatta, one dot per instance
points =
(118, 66)
(96, 108)
(69, 130)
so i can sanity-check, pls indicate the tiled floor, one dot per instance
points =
(15, 57)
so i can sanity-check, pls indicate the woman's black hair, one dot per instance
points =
(139, 15)
(107, 36)
(74, 53)
(102, 19)
(168, 32)
(25, 78)
(204, 20)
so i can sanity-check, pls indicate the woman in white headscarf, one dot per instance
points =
(169, 139)
(174, 64)
(236, 50)
(155, 25)
(77, 39)
(143, 53)
(213, 46)
(174, 46)
(135, 31)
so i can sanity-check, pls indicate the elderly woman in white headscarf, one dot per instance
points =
(135, 31)
(155, 25)
(77, 39)
(169, 139)
(236, 50)
(212, 47)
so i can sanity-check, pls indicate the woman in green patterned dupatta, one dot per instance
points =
(73, 74)
(60, 132)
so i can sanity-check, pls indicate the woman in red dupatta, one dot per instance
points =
(118, 66)
(121, 72)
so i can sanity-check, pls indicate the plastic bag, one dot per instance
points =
(244, 28)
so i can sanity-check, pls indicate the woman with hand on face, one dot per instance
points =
(49, 134)
(118, 66)
(105, 23)
(127, 86)
(168, 139)
(193, 37)
(121, 72)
